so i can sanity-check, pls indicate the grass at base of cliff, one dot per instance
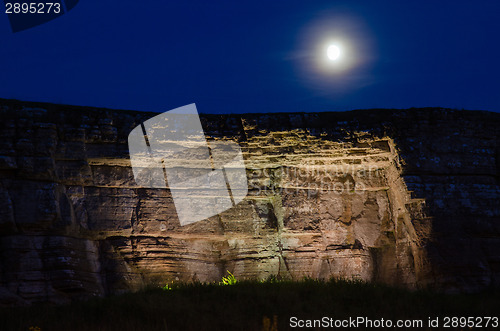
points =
(247, 305)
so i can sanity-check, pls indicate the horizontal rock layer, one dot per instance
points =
(406, 197)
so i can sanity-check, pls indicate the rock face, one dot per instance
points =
(406, 197)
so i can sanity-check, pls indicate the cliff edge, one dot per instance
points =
(406, 197)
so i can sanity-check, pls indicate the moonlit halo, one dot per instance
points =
(357, 52)
(334, 56)
(333, 52)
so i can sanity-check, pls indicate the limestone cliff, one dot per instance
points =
(406, 197)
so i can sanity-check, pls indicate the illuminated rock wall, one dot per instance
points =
(403, 197)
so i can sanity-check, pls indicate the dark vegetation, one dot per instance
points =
(247, 305)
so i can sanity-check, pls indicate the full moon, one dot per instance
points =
(333, 52)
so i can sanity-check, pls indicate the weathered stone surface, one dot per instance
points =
(406, 197)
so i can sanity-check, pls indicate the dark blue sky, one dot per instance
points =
(260, 56)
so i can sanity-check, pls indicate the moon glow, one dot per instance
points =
(333, 52)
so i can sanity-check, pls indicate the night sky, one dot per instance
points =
(258, 56)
